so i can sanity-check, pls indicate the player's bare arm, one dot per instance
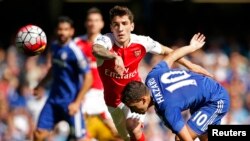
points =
(191, 66)
(102, 53)
(43, 82)
(196, 43)
(184, 135)
(75, 106)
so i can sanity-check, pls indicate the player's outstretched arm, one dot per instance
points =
(102, 53)
(196, 43)
(88, 81)
(191, 66)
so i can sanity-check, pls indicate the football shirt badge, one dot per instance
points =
(137, 53)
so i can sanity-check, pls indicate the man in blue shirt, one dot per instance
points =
(71, 80)
(172, 91)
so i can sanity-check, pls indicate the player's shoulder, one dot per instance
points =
(106, 36)
(160, 68)
(106, 40)
(139, 38)
(110, 35)
(81, 38)
(145, 41)
(162, 65)
(75, 49)
(54, 45)
(72, 45)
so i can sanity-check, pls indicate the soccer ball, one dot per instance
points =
(31, 40)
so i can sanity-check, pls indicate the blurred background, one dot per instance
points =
(226, 53)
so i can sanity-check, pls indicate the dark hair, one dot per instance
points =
(121, 11)
(133, 91)
(94, 10)
(63, 19)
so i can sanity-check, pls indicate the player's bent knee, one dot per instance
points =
(40, 135)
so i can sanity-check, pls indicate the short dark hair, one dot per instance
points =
(63, 19)
(133, 91)
(94, 10)
(121, 11)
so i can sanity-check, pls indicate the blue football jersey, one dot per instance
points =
(174, 91)
(68, 66)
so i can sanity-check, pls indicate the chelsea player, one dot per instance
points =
(172, 91)
(71, 80)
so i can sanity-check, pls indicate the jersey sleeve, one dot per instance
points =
(105, 41)
(151, 45)
(81, 60)
(173, 119)
(83, 64)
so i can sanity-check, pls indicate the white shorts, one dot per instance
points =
(119, 115)
(94, 103)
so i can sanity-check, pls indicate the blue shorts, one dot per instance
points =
(52, 113)
(210, 113)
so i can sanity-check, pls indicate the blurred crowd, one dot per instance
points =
(19, 74)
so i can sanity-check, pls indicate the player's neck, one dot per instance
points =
(64, 42)
(92, 36)
(125, 44)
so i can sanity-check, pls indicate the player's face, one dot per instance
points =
(122, 27)
(94, 23)
(140, 106)
(64, 32)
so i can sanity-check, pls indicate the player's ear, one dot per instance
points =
(132, 26)
(144, 99)
(102, 24)
(72, 31)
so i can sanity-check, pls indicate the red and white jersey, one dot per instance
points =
(86, 47)
(131, 55)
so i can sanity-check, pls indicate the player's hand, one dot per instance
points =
(198, 69)
(136, 125)
(73, 108)
(119, 65)
(197, 41)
